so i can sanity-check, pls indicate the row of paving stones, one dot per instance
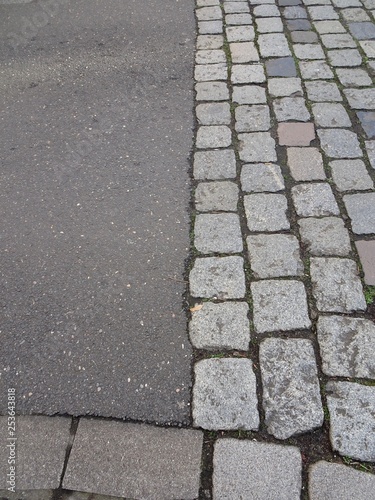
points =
(285, 202)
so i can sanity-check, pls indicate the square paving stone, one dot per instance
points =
(355, 15)
(314, 200)
(366, 251)
(370, 148)
(238, 19)
(210, 56)
(208, 13)
(291, 108)
(213, 196)
(255, 471)
(285, 87)
(218, 233)
(257, 147)
(308, 51)
(338, 143)
(367, 119)
(315, 70)
(243, 52)
(322, 91)
(269, 25)
(329, 481)
(304, 37)
(261, 177)
(368, 47)
(282, 66)
(298, 408)
(212, 91)
(252, 118)
(266, 11)
(295, 134)
(350, 175)
(146, 461)
(305, 164)
(40, 451)
(249, 94)
(215, 113)
(215, 136)
(220, 277)
(240, 33)
(274, 255)
(273, 45)
(210, 27)
(344, 57)
(235, 7)
(327, 236)
(361, 98)
(353, 77)
(207, 3)
(322, 12)
(210, 72)
(266, 212)
(208, 42)
(352, 408)
(279, 305)
(248, 73)
(347, 346)
(224, 395)
(293, 12)
(323, 27)
(361, 210)
(298, 25)
(338, 41)
(330, 115)
(362, 31)
(220, 326)
(215, 164)
(336, 285)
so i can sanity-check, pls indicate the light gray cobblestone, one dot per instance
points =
(291, 108)
(210, 56)
(361, 98)
(224, 395)
(285, 87)
(266, 11)
(261, 177)
(252, 73)
(327, 236)
(314, 200)
(218, 233)
(279, 305)
(210, 42)
(273, 45)
(240, 33)
(216, 113)
(352, 424)
(249, 94)
(209, 13)
(322, 91)
(257, 147)
(353, 77)
(350, 175)
(238, 19)
(235, 7)
(308, 51)
(361, 210)
(216, 196)
(322, 13)
(210, 27)
(336, 285)
(370, 148)
(299, 408)
(243, 52)
(212, 91)
(315, 70)
(305, 164)
(211, 72)
(338, 143)
(215, 136)
(269, 25)
(266, 212)
(338, 41)
(329, 115)
(252, 118)
(323, 27)
(344, 57)
(214, 165)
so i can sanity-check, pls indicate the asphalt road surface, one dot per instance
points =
(96, 131)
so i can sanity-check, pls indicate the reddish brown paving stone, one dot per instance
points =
(295, 134)
(366, 250)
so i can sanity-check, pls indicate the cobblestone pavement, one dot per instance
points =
(281, 280)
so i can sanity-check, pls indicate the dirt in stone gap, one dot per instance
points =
(371, 311)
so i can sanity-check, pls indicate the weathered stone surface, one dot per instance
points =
(261, 177)
(361, 98)
(304, 37)
(338, 41)
(314, 200)
(249, 73)
(240, 33)
(361, 210)
(235, 7)
(336, 285)
(224, 395)
(273, 45)
(40, 451)
(215, 113)
(330, 481)
(249, 94)
(238, 19)
(218, 233)
(315, 70)
(366, 251)
(215, 164)
(327, 236)
(210, 72)
(257, 147)
(344, 57)
(266, 11)
(308, 51)
(322, 12)
(210, 56)
(338, 143)
(291, 108)
(213, 196)
(212, 91)
(210, 27)
(209, 42)
(31, 495)
(298, 24)
(367, 119)
(352, 424)
(329, 27)
(252, 118)
(221, 326)
(279, 305)
(134, 461)
(269, 25)
(330, 115)
(266, 212)
(362, 31)
(294, 13)
(282, 66)
(274, 255)
(299, 408)
(251, 470)
(355, 15)
(285, 87)
(243, 52)
(347, 346)
(208, 13)
(220, 277)
(322, 91)
(215, 136)
(370, 148)
(305, 164)
(350, 175)
(295, 134)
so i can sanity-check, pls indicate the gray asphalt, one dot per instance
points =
(96, 118)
